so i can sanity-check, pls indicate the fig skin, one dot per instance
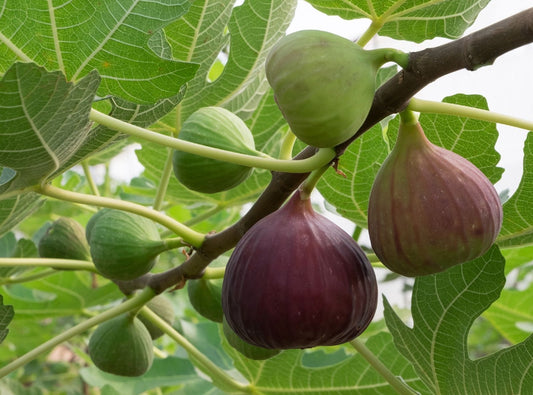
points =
(323, 84)
(162, 307)
(218, 128)
(122, 346)
(64, 239)
(297, 280)
(429, 208)
(123, 245)
(206, 298)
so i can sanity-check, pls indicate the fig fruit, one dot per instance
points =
(122, 346)
(123, 245)
(429, 208)
(219, 128)
(64, 239)
(297, 280)
(206, 298)
(162, 307)
(324, 84)
(246, 349)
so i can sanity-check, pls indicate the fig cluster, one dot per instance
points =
(429, 208)
(297, 280)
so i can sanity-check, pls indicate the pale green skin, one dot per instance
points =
(162, 307)
(219, 128)
(206, 298)
(323, 84)
(122, 346)
(64, 239)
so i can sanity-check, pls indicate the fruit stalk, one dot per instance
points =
(136, 301)
(54, 263)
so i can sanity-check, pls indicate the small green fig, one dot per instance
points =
(429, 208)
(64, 239)
(123, 245)
(122, 346)
(324, 84)
(206, 297)
(245, 348)
(219, 128)
(162, 307)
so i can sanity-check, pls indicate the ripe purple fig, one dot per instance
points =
(429, 208)
(297, 280)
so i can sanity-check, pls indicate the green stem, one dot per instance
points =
(163, 182)
(395, 382)
(173, 243)
(54, 263)
(90, 180)
(190, 236)
(218, 375)
(468, 112)
(287, 145)
(27, 278)
(322, 157)
(372, 30)
(139, 300)
(310, 182)
(408, 117)
(213, 273)
(205, 215)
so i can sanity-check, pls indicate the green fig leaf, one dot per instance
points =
(81, 36)
(10, 247)
(6, 315)
(416, 20)
(444, 307)
(14, 210)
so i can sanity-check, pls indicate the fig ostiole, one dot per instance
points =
(122, 346)
(218, 128)
(297, 280)
(123, 245)
(430, 208)
(324, 84)
(65, 239)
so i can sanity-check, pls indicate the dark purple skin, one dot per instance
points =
(297, 280)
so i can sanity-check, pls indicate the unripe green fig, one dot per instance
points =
(324, 84)
(122, 346)
(123, 245)
(219, 128)
(297, 280)
(245, 348)
(64, 239)
(429, 208)
(92, 221)
(206, 297)
(162, 307)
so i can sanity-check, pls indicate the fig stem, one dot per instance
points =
(138, 300)
(408, 117)
(287, 145)
(220, 378)
(163, 182)
(54, 263)
(322, 157)
(213, 273)
(394, 381)
(370, 32)
(89, 177)
(468, 112)
(189, 235)
(306, 188)
(29, 277)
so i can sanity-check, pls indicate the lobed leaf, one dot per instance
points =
(6, 315)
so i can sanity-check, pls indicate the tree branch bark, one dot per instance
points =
(470, 52)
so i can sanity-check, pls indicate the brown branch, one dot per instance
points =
(470, 52)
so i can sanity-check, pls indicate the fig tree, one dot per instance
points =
(64, 239)
(297, 280)
(123, 245)
(219, 128)
(430, 208)
(162, 307)
(206, 297)
(324, 84)
(122, 346)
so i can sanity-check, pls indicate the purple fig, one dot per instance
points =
(297, 280)
(429, 208)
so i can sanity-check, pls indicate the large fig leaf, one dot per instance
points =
(444, 307)
(10, 247)
(517, 227)
(6, 315)
(416, 20)
(79, 36)
(16, 208)
(304, 372)
(44, 122)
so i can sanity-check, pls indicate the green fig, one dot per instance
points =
(162, 307)
(245, 348)
(206, 297)
(65, 239)
(324, 84)
(123, 245)
(219, 128)
(430, 208)
(122, 346)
